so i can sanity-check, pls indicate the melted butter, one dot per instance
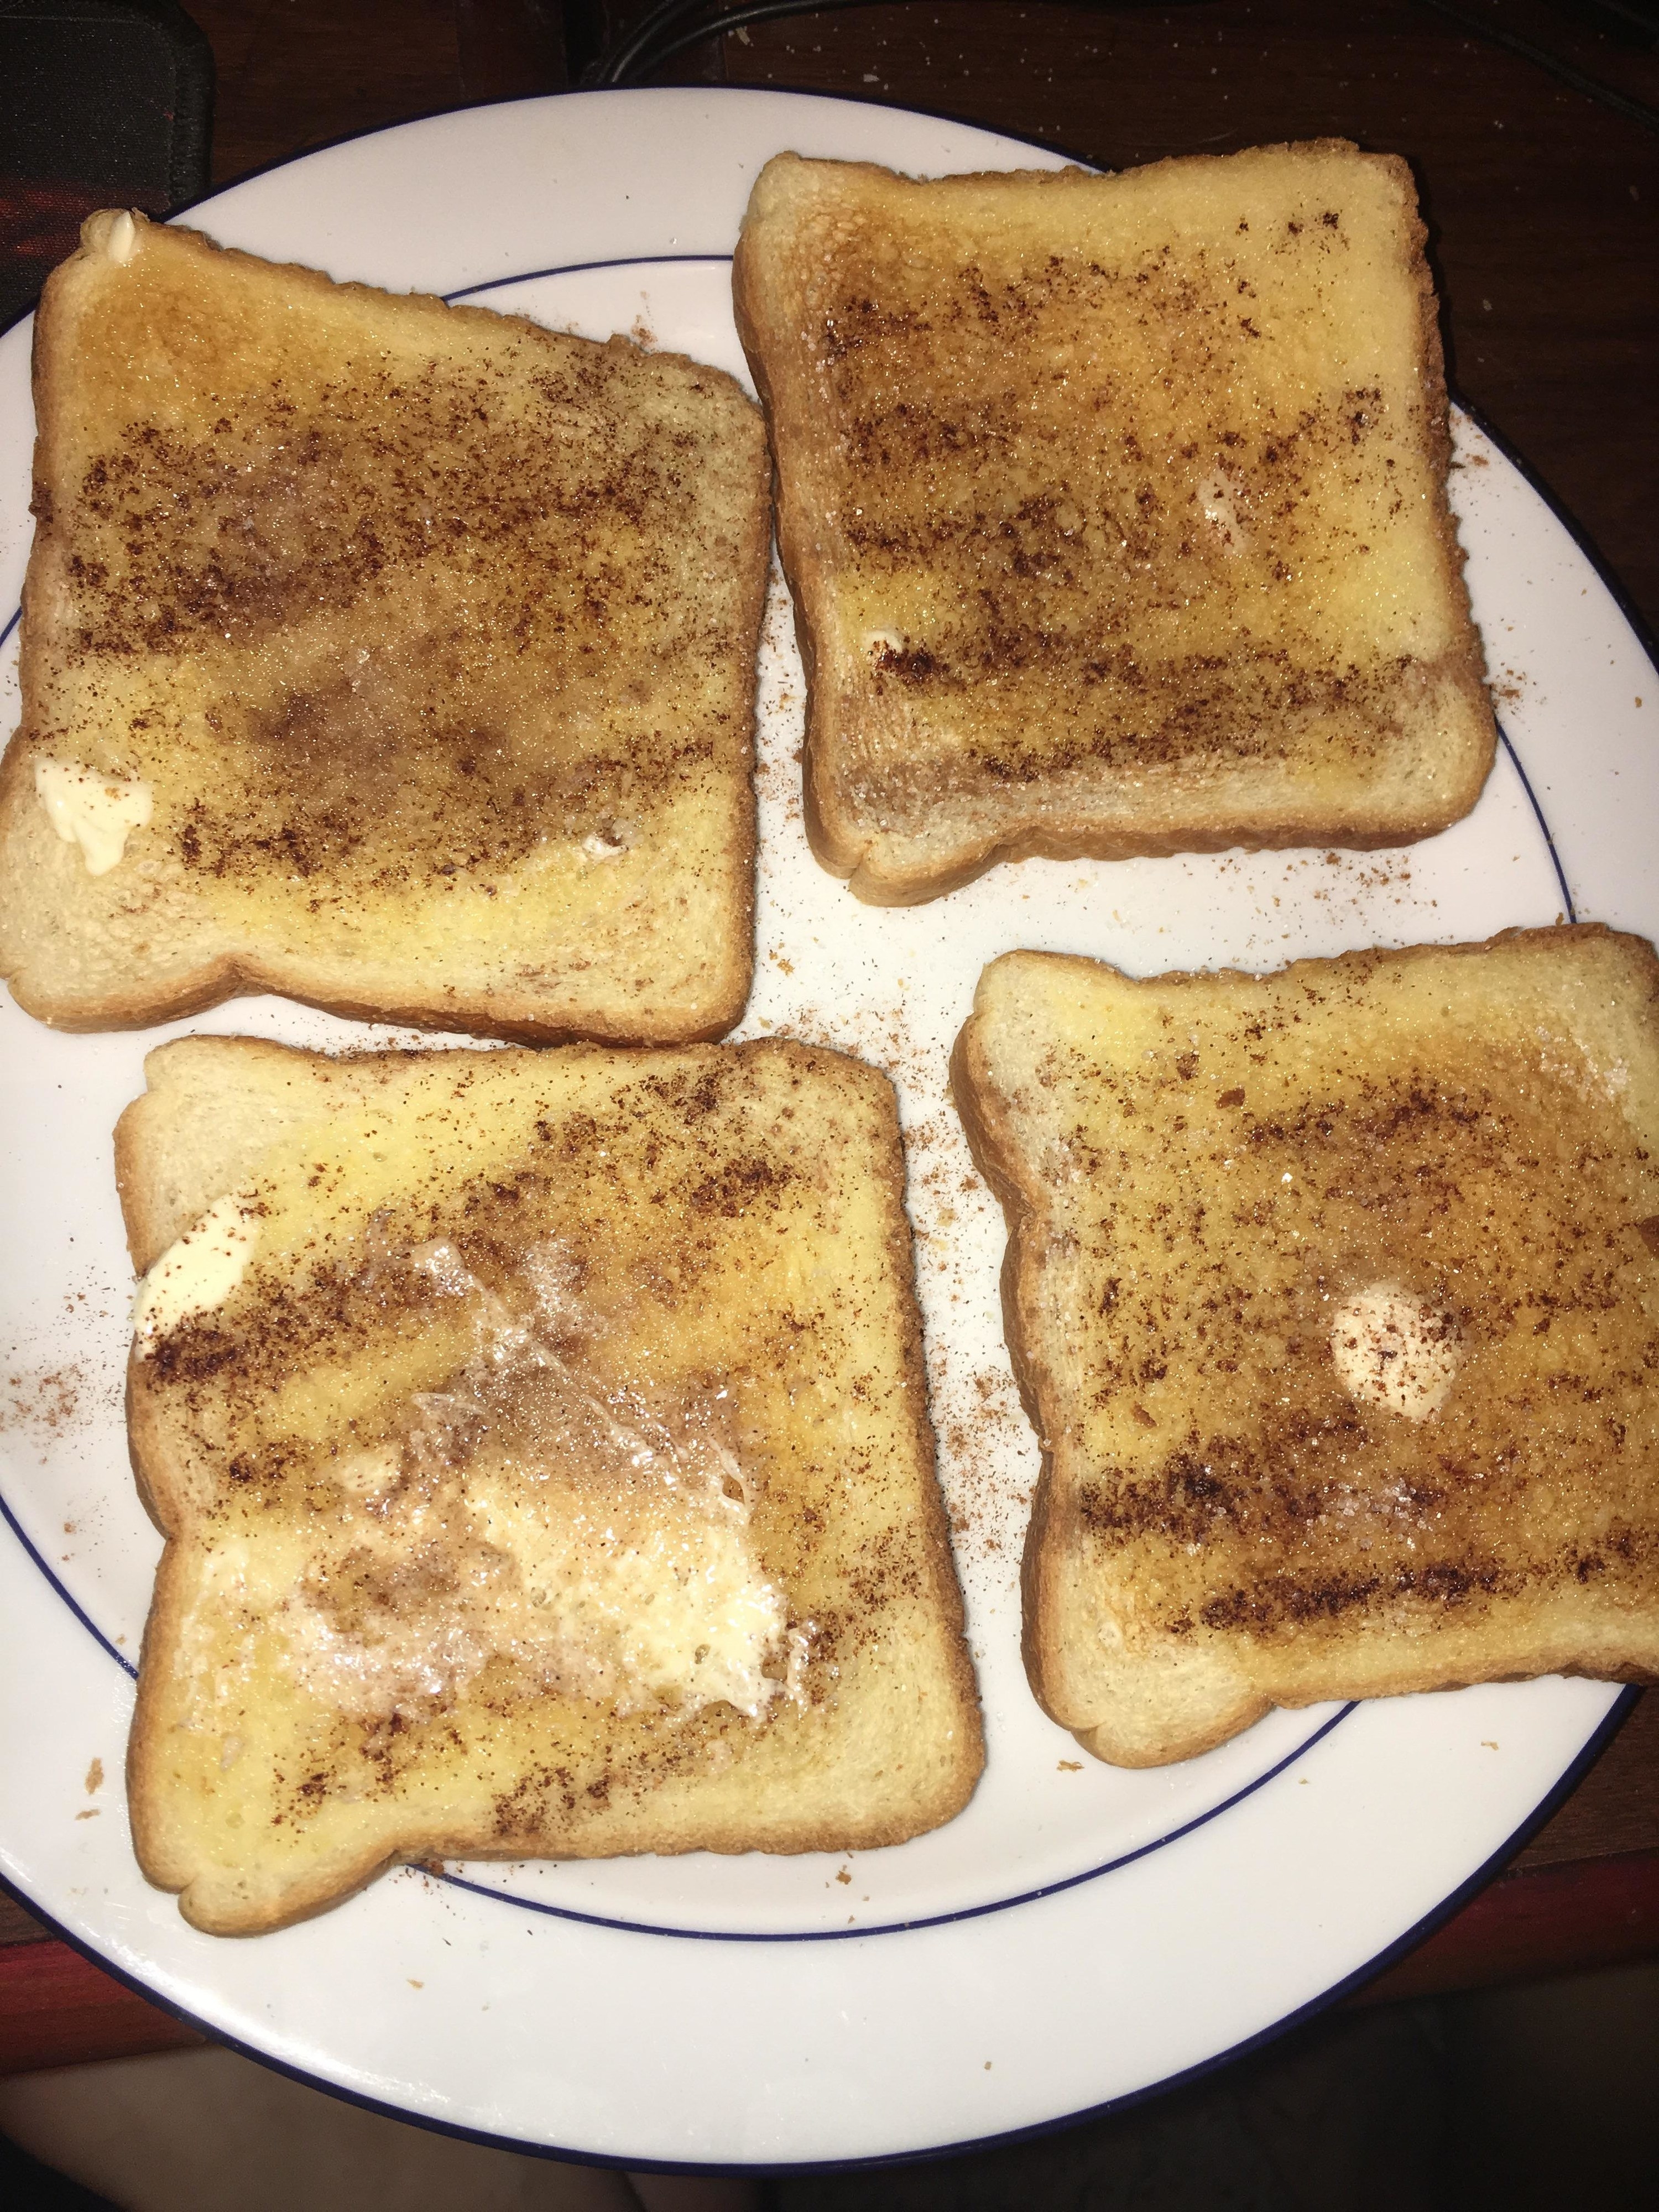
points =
(1223, 500)
(598, 1544)
(661, 1601)
(97, 813)
(1392, 1351)
(198, 1272)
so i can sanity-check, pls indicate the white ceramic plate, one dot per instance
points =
(1078, 1936)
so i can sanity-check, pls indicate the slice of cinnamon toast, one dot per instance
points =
(1114, 508)
(393, 656)
(1334, 1298)
(542, 1444)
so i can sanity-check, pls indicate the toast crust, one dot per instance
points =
(440, 667)
(868, 406)
(1151, 1629)
(884, 1740)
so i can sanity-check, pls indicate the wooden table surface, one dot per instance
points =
(1543, 206)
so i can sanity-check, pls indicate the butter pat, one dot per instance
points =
(1393, 1350)
(97, 813)
(197, 1274)
(657, 1597)
(113, 232)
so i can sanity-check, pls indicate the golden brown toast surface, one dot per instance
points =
(1114, 508)
(553, 1478)
(429, 634)
(1335, 1296)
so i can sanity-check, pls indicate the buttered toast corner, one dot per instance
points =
(1114, 510)
(542, 1445)
(396, 656)
(1333, 1295)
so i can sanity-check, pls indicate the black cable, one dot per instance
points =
(1592, 87)
(637, 52)
(612, 63)
(634, 53)
(657, 38)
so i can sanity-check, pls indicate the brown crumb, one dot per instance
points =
(48, 1401)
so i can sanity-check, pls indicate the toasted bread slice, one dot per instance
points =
(396, 656)
(1334, 1298)
(1114, 508)
(542, 1445)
